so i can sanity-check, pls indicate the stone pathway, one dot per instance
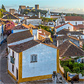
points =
(5, 78)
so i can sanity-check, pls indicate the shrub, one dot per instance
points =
(66, 69)
(75, 65)
(75, 78)
(82, 73)
(76, 69)
(64, 63)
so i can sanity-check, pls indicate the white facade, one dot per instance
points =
(75, 22)
(16, 56)
(66, 26)
(34, 22)
(34, 31)
(46, 61)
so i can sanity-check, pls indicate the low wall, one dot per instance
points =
(71, 75)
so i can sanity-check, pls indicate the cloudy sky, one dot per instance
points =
(67, 6)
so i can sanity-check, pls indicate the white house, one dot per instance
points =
(34, 21)
(64, 26)
(74, 20)
(27, 59)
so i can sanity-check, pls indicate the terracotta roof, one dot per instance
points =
(45, 32)
(63, 31)
(67, 37)
(62, 37)
(66, 31)
(10, 16)
(75, 33)
(69, 49)
(32, 26)
(63, 25)
(26, 26)
(23, 46)
(78, 27)
(18, 27)
(73, 18)
(19, 36)
(50, 45)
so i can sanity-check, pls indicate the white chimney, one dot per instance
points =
(35, 37)
(39, 14)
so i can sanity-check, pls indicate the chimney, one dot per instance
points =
(39, 14)
(34, 37)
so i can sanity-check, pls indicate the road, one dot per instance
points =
(5, 78)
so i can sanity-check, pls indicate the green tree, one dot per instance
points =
(83, 47)
(66, 69)
(3, 7)
(1, 15)
(76, 69)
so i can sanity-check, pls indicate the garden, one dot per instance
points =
(72, 67)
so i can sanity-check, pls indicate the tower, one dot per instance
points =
(36, 7)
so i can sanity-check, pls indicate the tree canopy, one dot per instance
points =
(3, 7)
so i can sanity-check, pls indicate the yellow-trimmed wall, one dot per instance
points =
(12, 75)
(57, 61)
(81, 79)
(20, 79)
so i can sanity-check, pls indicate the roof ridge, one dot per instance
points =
(75, 45)
(66, 49)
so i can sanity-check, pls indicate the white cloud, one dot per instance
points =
(67, 10)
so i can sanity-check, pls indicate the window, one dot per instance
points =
(68, 28)
(13, 54)
(83, 23)
(12, 68)
(12, 59)
(76, 23)
(34, 58)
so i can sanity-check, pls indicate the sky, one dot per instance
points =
(66, 6)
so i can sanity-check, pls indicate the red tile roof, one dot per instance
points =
(73, 18)
(80, 26)
(69, 49)
(63, 25)
(23, 46)
(19, 36)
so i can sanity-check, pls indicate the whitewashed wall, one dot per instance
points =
(16, 56)
(65, 27)
(21, 41)
(35, 31)
(34, 22)
(74, 22)
(46, 61)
